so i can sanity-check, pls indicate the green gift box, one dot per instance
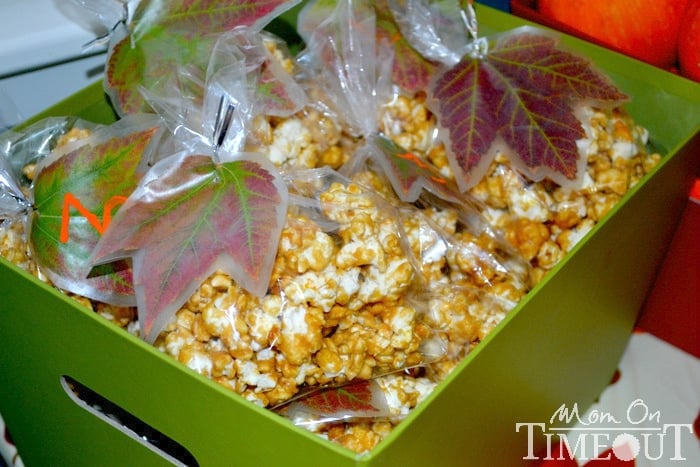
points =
(559, 346)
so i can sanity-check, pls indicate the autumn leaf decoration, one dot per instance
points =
(75, 195)
(410, 70)
(409, 174)
(189, 217)
(517, 93)
(207, 206)
(357, 399)
(162, 36)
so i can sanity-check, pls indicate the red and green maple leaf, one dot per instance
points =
(166, 35)
(520, 97)
(74, 198)
(410, 70)
(409, 174)
(190, 217)
(358, 399)
(275, 92)
(276, 95)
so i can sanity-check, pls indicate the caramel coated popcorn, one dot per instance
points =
(335, 312)
(544, 221)
(380, 289)
(345, 304)
(14, 247)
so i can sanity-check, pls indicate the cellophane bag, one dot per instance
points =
(433, 274)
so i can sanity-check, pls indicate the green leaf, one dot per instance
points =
(190, 217)
(520, 98)
(166, 35)
(196, 18)
(147, 63)
(75, 196)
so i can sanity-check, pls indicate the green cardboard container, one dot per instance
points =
(560, 345)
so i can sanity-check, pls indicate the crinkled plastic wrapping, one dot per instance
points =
(144, 31)
(209, 117)
(216, 109)
(368, 271)
(418, 270)
(9, 114)
(187, 178)
(460, 265)
(486, 244)
(108, 13)
(438, 30)
(361, 399)
(22, 150)
(13, 201)
(343, 64)
(437, 275)
(355, 75)
(208, 112)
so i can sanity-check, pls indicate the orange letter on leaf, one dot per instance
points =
(70, 200)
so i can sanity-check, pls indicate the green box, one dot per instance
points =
(560, 345)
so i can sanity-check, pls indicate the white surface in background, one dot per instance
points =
(30, 93)
(659, 384)
(41, 55)
(35, 33)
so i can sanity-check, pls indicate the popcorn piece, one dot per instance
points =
(527, 236)
(569, 211)
(72, 135)
(549, 255)
(388, 284)
(539, 219)
(406, 121)
(196, 359)
(121, 316)
(359, 437)
(300, 334)
(13, 246)
(291, 143)
(250, 375)
(307, 140)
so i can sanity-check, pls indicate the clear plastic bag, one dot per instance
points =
(223, 207)
(20, 152)
(437, 29)
(148, 40)
(9, 114)
(407, 291)
(344, 63)
(242, 79)
(456, 278)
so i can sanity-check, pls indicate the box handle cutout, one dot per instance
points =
(127, 423)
